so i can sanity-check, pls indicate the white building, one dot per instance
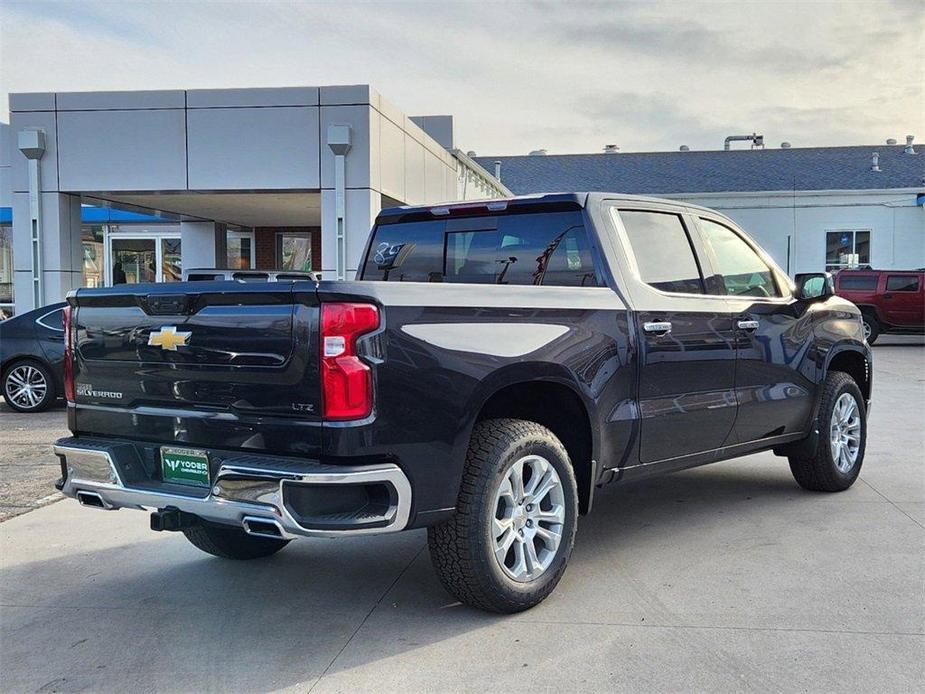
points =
(812, 208)
(203, 178)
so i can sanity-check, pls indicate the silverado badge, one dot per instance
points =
(168, 338)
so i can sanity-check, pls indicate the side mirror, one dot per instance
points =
(814, 286)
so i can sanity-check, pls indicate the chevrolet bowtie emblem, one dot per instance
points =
(168, 338)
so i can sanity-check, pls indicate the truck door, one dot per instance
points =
(686, 339)
(903, 304)
(772, 335)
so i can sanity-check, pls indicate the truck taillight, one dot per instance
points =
(346, 381)
(68, 355)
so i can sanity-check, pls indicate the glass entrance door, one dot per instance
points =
(134, 259)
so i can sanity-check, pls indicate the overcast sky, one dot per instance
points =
(516, 77)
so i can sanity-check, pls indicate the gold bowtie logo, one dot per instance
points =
(168, 338)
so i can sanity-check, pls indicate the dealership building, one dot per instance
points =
(99, 188)
(133, 186)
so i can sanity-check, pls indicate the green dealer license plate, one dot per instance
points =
(185, 466)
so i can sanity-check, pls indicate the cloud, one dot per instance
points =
(516, 76)
(690, 42)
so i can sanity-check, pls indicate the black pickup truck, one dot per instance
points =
(491, 366)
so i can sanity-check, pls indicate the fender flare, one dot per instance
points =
(807, 446)
(523, 373)
(871, 309)
(847, 345)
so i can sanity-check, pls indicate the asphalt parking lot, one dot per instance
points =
(723, 578)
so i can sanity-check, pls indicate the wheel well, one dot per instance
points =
(855, 365)
(559, 409)
(20, 358)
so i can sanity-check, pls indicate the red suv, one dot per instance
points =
(891, 301)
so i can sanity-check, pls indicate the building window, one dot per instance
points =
(94, 268)
(171, 267)
(294, 251)
(241, 250)
(6, 272)
(846, 248)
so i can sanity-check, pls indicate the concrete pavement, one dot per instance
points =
(28, 468)
(724, 578)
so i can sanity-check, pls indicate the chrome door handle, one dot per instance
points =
(749, 325)
(657, 328)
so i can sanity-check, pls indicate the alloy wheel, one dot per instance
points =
(845, 432)
(529, 518)
(26, 386)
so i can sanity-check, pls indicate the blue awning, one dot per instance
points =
(99, 215)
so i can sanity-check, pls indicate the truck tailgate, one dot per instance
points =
(201, 363)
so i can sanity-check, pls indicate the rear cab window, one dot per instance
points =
(549, 248)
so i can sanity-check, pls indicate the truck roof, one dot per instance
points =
(538, 202)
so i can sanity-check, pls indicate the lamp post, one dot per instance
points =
(339, 142)
(31, 143)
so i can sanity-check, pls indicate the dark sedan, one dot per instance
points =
(31, 358)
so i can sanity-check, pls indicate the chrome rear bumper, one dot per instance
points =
(246, 492)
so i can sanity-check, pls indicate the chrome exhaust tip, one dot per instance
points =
(92, 500)
(263, 527)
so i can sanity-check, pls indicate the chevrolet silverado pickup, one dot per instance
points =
(491, 366)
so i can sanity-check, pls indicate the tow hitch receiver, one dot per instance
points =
(172, 520)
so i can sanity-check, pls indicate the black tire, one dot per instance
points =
(819, 472)
(871, 328)
(40, 371)
(231, 543)
(462, 548)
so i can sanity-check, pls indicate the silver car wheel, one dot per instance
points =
(529, 518)
(25, 386)
(845, 432)
(866, 329)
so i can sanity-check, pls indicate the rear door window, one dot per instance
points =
(902, 283)
(858, 282)
(53, 320)
(663, 251)
(550, 249)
